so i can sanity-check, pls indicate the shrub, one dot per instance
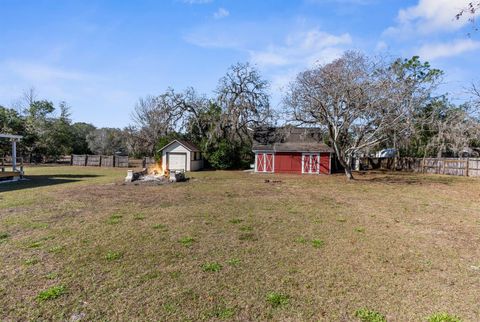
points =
(277, 299)
(3, 236)
(443, 317)
(366, 315)
(51, 293)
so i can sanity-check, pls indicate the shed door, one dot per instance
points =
(265, 162)
(310, 162)
(177, 161)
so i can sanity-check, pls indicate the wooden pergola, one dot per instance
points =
(14, 139)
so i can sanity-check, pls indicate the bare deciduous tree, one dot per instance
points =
(244, 100)
(356, 100)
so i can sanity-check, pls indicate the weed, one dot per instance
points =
(3, 236)
(114, 219)
(51, 293)
(366, 315)
(175, 274)
(36, 244)
(247, 236)
(149, 276)
(360, 230)
(233, 261)
(139, 216)
(443, 317)
(236, 221)
(341, 220)
(169, 308)
(246, 228)
(55, 249)
(161, 227)
(301, 240)
(277, 299)
(317, 243)
(223, 312)
(186, 241)
(211, 267)
(111, 256)
(30, 261)
(51, 276)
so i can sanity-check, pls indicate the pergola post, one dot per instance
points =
(14, 155)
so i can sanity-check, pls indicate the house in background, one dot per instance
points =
(291, 150)
(181, 155)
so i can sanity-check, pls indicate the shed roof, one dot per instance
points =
(10, 136)
(188, 145)
(289, 139)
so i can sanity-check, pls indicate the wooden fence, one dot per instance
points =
(468, 167)
(99, 160)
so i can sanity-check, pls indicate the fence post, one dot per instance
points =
(468, 165)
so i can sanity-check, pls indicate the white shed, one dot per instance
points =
(181, 155)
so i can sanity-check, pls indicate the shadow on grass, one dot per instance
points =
(35, 181)
(404, 178)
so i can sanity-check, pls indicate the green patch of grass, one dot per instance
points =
(114, 219)
(236, 221)
(360, 230)
(149, 276)
(139, 216)
(36, 244)
(169, 308)
(31, 261)
(161, 227)
(55, 249)
(246, 228)
(223, 312)
(112, 256)
(277, 300)
(51, 276)
(3, 236)
(51, 293)
(211, 267)
(233, 261)
(367, 315)
(317, 243)
(175, 274)
(301, 240)
(443, 317)
(247, 237)
(186, 241)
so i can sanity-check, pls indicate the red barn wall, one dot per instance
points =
(325, 163)
(288, 162)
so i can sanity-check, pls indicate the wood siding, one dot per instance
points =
(288, 163)
(325, 163)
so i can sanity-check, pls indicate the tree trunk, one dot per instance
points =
(348, 173)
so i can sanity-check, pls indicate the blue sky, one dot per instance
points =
(101, 56)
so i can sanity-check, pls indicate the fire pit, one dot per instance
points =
(155, 174)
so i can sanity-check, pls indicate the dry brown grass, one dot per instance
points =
(401, 244)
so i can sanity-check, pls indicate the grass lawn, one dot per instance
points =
(75, 243)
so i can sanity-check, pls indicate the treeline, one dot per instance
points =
(362, 103)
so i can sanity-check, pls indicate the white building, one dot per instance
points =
(181, 155)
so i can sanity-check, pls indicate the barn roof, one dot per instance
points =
(289, 139)
(188, 145)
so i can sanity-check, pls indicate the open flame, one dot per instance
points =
(157, 169)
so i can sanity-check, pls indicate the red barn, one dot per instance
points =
(291, 150)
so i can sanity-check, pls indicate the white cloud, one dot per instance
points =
(302, 48)
(429, 16)
(221, 13)
(450, 49)
(35, 72)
